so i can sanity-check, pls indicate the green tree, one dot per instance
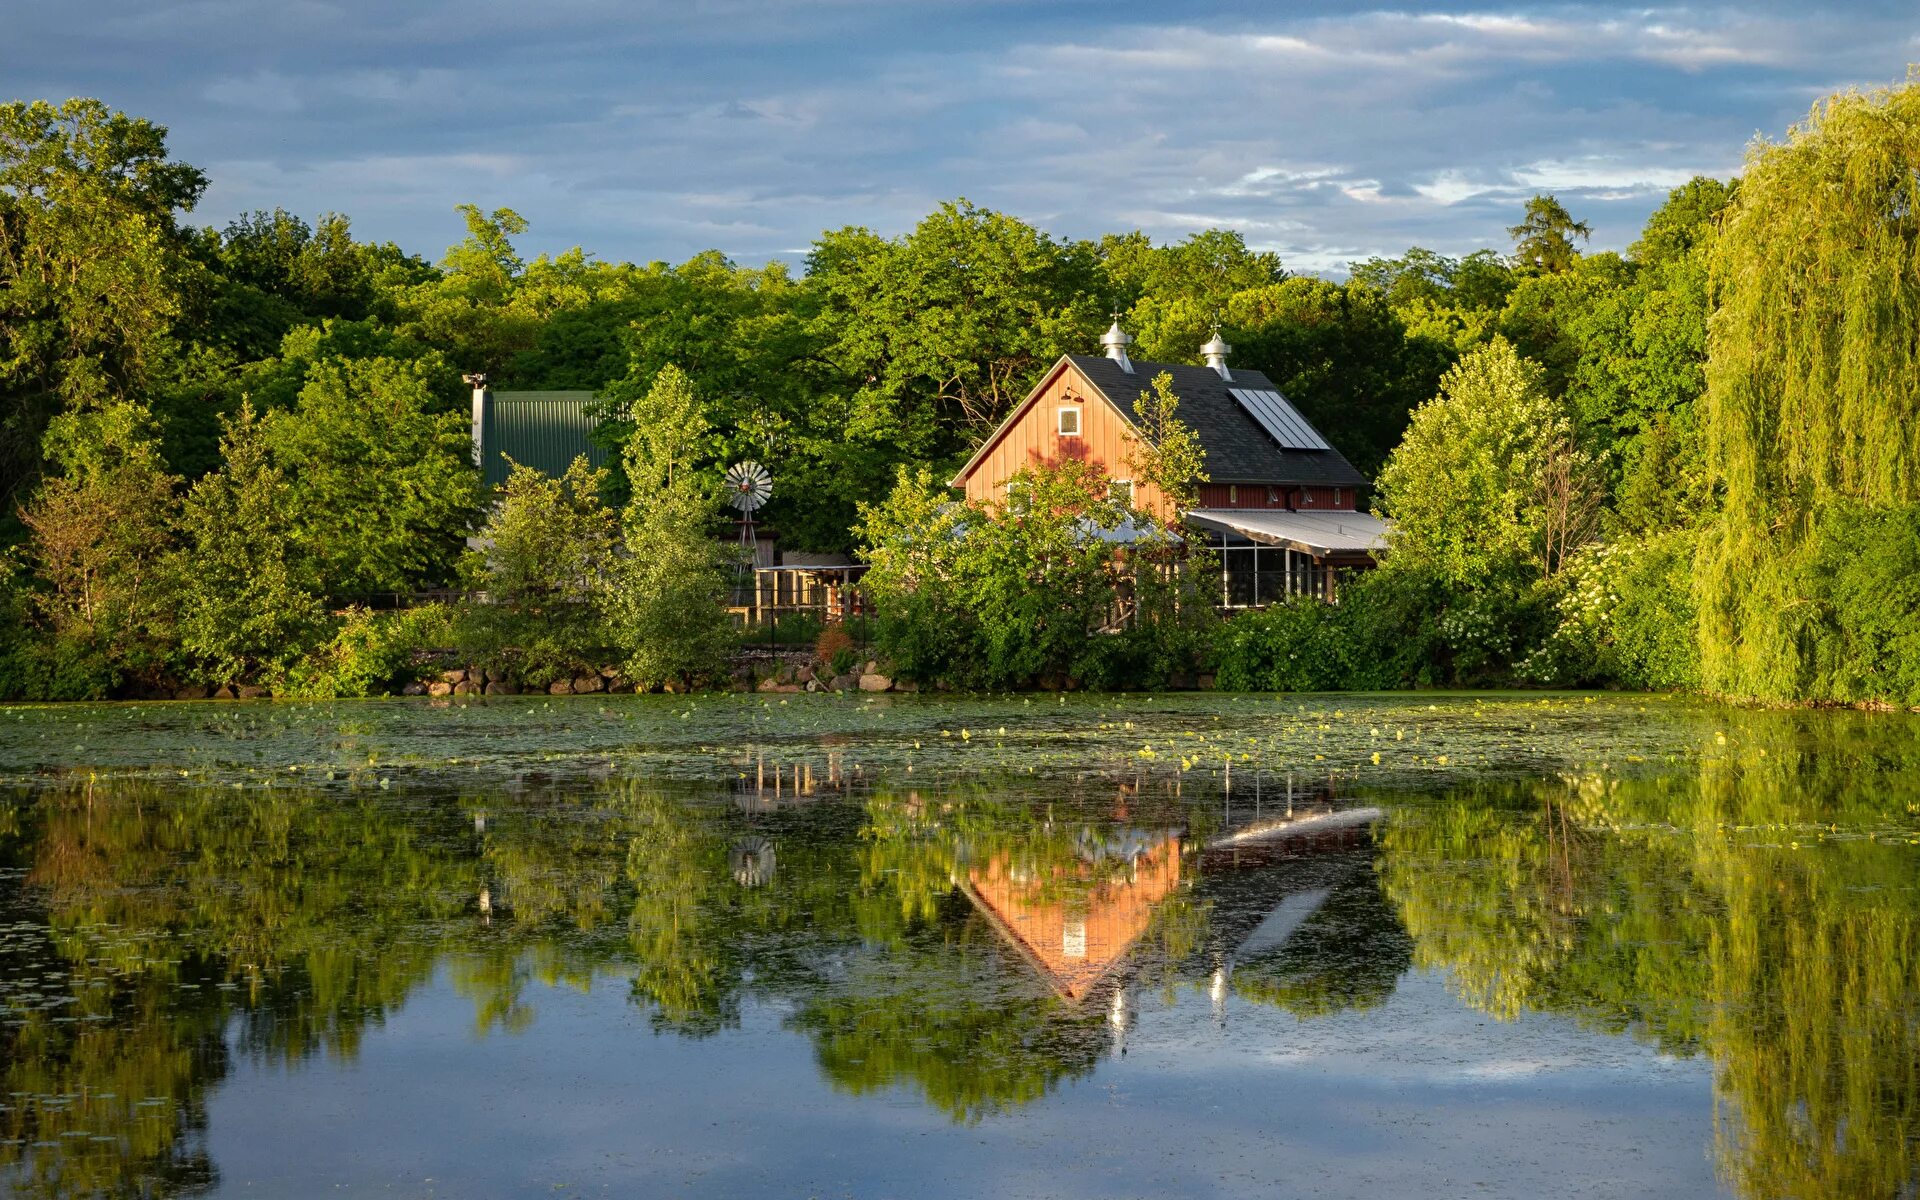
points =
(546, 538)
(1543, 240)
(545, 556)
(941, 332)
(1205, 267)
(93, 264)
(1490, 482)
(1168, 456)
(1813, 385)
(99, 531)
(382, 490)
(247, 602)
(666, 598)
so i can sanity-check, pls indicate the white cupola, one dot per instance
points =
(1215, 352)
(1115, 342)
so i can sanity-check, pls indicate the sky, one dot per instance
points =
(645, 130)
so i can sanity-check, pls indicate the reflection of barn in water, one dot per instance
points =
(1292, 910)
(1075, 922)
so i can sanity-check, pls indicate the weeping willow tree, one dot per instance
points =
(1813, 389)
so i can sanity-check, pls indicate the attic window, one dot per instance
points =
(1069, 421)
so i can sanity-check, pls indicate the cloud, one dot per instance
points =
(660, 129)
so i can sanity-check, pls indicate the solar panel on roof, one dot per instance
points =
(1280, 419)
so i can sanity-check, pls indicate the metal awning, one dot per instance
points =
(1316, 533)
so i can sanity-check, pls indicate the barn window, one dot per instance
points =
(1121, 491)
(1069, 422)
(1233, 493)
(1019, 494)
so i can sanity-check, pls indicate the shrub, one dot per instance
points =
(1289, 647)
(370, 654)
(532, 644)
(993, 595)
(1386, 632)
(1626, 617)
(834, 651)
(549, 548)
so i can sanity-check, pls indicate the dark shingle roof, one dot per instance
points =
(542, 430)
(1238, 449)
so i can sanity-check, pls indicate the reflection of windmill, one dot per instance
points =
(751, 861)
(748, 487)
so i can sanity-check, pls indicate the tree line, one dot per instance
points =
(1589, 456)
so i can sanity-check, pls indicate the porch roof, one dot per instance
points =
(1316, 533)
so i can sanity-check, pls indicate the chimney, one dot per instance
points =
(480, 398)
(1115, 342)
(1216, 352)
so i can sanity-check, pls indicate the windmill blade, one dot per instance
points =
(748, 486)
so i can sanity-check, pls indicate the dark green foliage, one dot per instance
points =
(1384, 633)
(1344, 358)
(1868, 574)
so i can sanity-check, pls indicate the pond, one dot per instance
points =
(1506, 945)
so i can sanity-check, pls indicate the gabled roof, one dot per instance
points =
(1237, 449)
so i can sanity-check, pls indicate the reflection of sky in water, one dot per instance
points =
(1418, 1096)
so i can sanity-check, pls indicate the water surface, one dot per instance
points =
(1193, 945)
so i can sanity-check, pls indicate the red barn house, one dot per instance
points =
(1281, 505)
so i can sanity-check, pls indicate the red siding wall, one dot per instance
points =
(1104, 440)
(1307, 499)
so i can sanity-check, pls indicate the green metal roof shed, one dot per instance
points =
(542, 430)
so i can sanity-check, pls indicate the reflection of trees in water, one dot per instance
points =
(283, 923)
(1680, 909)
(174, 922)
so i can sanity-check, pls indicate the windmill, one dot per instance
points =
(748, 487)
